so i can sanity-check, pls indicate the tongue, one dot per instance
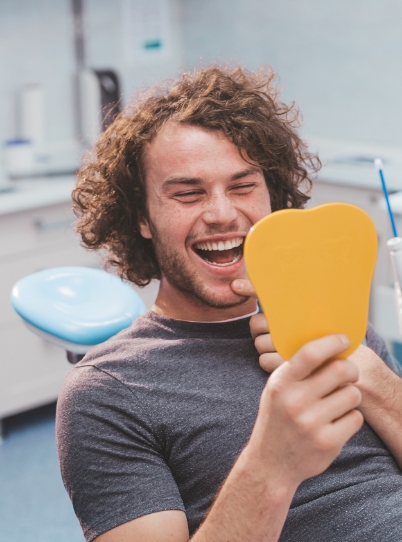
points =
(221, 256)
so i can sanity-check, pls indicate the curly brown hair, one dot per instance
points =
(110, 200)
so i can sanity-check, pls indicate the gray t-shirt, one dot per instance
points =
(154, 419)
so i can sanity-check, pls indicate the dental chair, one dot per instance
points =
(75, 307)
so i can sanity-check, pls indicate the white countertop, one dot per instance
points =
(344, 163)
(352, 164)
(34, 193)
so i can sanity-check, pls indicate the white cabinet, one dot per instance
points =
(32, 370)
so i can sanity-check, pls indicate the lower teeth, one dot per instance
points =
(235, 259)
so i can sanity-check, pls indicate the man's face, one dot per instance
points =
(202, 199)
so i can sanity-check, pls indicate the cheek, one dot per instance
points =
(258, 202)
(258, 208)
(266, 200)
(172, 224)
(265, 203)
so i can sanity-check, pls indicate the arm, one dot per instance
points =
(381, 403)
(306, 415)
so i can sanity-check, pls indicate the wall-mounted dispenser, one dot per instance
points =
(99, 95)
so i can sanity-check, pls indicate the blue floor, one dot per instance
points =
(34, 506)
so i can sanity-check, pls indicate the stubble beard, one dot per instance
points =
(173, 266)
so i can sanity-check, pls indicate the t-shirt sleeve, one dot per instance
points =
(374, 341)
(111, 460)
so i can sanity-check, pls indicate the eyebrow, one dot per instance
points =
(245, 173)
(194, 181)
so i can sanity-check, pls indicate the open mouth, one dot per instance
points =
(221, 253)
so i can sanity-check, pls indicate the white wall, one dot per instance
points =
(105, 45)
(36, 46)
(340, 60)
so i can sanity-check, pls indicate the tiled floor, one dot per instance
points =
(34, 506)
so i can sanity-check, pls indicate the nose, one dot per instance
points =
(219, 210)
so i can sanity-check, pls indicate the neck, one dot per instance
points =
(174, 303)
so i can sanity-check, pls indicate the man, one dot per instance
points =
(181, 427)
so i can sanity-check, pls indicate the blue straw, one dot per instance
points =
(379, 166)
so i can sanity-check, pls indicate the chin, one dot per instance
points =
(225, 300)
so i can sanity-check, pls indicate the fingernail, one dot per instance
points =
(238, 284)
(345, 340)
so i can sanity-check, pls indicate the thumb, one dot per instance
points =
(243, 287)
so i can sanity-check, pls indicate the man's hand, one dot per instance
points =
(380, 387)
(308, 408)
(269, 357)
(308, 411)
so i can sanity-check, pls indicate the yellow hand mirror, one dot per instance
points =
(312, 271)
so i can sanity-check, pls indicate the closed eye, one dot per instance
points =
(244, 188)
(190, 196)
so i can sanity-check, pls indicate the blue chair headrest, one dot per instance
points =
(80, 305)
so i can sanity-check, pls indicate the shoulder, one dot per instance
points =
(89, 392)
(98, 381)
(109, 376)
(96, 410)
(122, 353)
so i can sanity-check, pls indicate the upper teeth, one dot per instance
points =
(220, 245)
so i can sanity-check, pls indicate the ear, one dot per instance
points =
(145, 230)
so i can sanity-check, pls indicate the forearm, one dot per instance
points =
(252, 505)
(382, 406)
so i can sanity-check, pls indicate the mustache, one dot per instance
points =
(210, 232)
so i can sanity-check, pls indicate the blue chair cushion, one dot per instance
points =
(80, 305)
